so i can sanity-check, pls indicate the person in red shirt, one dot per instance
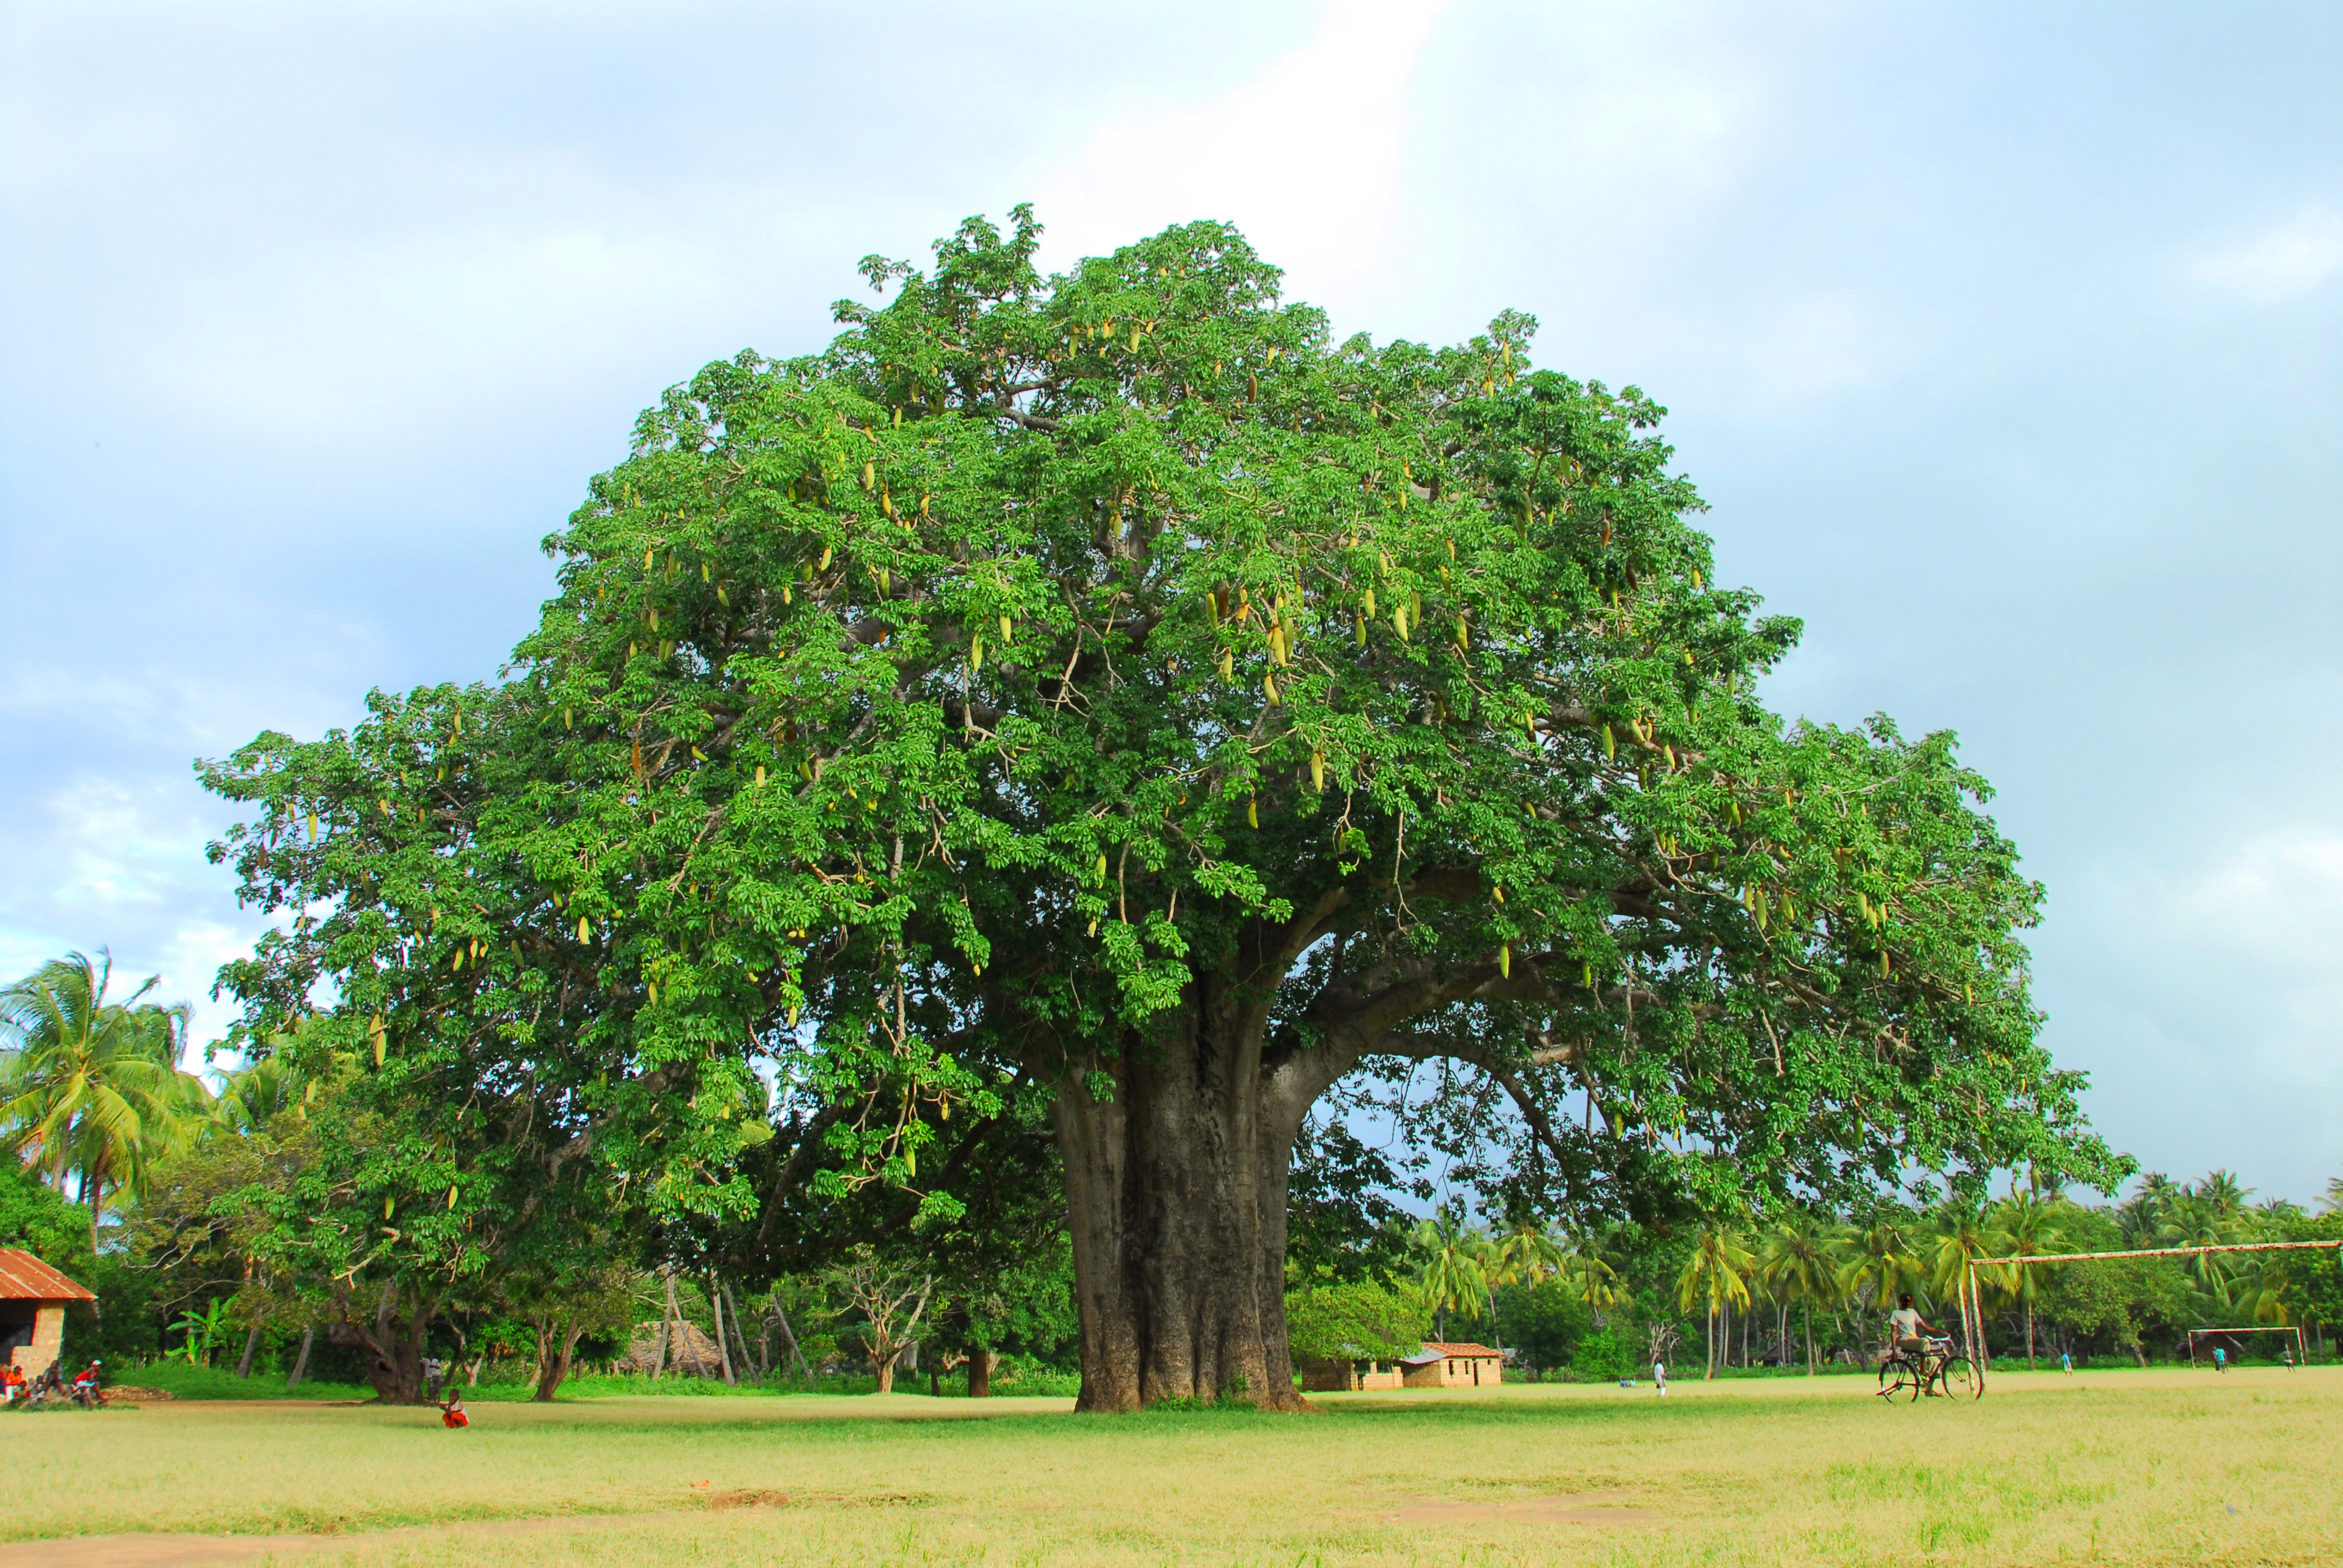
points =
(451, 1412)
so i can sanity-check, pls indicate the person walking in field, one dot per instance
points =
(2066, 1363)
(1660, 1376)
(451, 1410)
(2220, 1359)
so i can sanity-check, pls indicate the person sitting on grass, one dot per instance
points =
(85, 1386)
(451, 1410)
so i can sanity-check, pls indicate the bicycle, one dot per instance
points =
(1936, 1366)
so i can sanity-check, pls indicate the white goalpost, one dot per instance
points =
(2294, 1329)
(1972, 1298)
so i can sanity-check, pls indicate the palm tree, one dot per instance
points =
(1452, 1272)
(252, 1097)
(2145, 1211)
(1717, 1275)
(2025, 1227)
(1796, 1259)
(2224, 1191)
(91, 1089)
(1588, 1274)
(2332, 1199)
(1882, 1259)
(2202, 1218)
(1959, 1238)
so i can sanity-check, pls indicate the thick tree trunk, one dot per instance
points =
(301, 1361)
(1176, 1192)
(251, 1343)
(392, 1342)
(980, 1373)
(556, 1346)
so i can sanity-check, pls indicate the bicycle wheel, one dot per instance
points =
(1898, 1376)
(1960, 1379)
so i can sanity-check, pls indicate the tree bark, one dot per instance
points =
(723, 1345)
(557, 1345)
(980, 1373)
(1176, 1195)
(251, 1343)
(667, 1319)
(753, 1360)
(796, 1355)
(392, 1342)
(301, 1361)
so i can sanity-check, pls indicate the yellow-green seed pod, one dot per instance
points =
(1268, 687)
(1610, 745)
(1370, 604)
(976, 652)
(582, 932)
(760, 776)
(1004, 631)
(1101, 868)
(1318, 770)
(1228, 665)
(823, 565)
(1506, 962)
(1399, 622)
(1252, 810)
(869, 476)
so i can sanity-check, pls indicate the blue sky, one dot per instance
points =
(2002, 341)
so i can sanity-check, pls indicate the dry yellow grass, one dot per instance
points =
(2116, 1467)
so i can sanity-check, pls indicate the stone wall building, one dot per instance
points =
(33, 1301)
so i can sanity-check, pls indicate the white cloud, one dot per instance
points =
(2288, 259)
(1305, 156)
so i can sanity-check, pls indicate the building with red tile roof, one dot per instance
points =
(33, 1301)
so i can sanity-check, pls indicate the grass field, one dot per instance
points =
(2117, 1467)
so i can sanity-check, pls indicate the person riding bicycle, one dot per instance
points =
(1908, 1328)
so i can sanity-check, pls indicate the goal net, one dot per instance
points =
(2204, 1341)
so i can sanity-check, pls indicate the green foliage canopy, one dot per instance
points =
(923, 716)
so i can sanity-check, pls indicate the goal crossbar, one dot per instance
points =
(1973, 1296)
(2156, 1253)
(2294, 1329)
